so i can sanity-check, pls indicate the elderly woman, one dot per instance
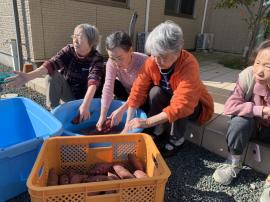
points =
(121, 70)
(75, 72)
(171, 79)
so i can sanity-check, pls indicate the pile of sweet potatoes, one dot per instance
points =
(133, 168)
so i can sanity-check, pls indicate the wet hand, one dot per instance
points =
(136, 123)
(84, 113)
(116, 117)
(266, 111)
(18, 80)
(100, 123)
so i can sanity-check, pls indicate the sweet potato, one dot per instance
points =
(76, 119)
(113, 176)
(122, 172)
(63, 179)
(76, 178)
(101, 169)
(136, 162)
(140, 174)
(106, 127)
(52, 177)
(97, 178)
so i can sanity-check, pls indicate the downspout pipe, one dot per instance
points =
(147, 10)
(204, 16)
(18, 34)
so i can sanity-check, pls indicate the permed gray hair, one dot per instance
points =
(165, 38)
(91, 33)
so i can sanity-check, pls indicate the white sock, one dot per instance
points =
(178, 142)
(159, 129)
(174, 143)
(235, 159)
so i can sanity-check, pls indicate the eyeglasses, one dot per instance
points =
(77, 36)
(117, 59)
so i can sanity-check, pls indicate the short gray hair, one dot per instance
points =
(91, 33)
(165, 38)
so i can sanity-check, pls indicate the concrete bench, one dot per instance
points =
(212, 135)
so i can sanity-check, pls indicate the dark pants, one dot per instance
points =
(158, 100)
(120, 91)
(240, 130)
(121, 94)
(59, 89)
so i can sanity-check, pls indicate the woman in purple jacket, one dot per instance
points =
(250, 113)
(75, 72)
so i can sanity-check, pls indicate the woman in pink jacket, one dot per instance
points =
(249, 106)
(122, 69)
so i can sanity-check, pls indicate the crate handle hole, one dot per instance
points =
(40, 170)
(155, 160)
(100, 145)
(97, 193)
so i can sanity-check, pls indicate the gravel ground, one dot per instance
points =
(192, 169)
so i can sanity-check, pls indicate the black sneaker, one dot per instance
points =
(165, 152)
(156, 138)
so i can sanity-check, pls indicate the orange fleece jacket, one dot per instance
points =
(186, 84)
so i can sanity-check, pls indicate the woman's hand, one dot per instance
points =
(100, 122)
(266, 112)
(84, 113)
(116, 116)
(18, 80)
(135, 123)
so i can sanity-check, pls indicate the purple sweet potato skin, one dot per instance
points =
(101, 169)
(52, 177)
(63, 179)
(136, 162)
(122, 172)
(140, 174)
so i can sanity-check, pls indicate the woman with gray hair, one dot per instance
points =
(171, 79)
(75, 72)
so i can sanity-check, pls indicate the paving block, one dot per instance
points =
(214, 136)
(257, 156)
(194, 133)
(213, 73)
(38, 84)
(219, 91)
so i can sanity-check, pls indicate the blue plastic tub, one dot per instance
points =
(67, 111)
(24, 126)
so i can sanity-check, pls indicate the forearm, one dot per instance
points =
(130, 113)
(39, 72)
(124, 107)
(89, 96)
(103, 111)
(156, 119)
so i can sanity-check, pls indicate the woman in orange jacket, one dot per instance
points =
(170, 79)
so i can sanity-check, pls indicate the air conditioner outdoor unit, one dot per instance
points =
(205, 41)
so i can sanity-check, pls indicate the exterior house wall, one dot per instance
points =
(46, 25)
(228, 27)
(7, 26)
(57, 19)
(190, 26)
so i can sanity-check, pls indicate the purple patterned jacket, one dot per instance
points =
(78, 72)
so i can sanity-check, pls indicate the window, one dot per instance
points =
(115, 3)
(182, 8)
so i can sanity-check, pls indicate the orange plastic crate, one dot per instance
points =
(63, 153)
